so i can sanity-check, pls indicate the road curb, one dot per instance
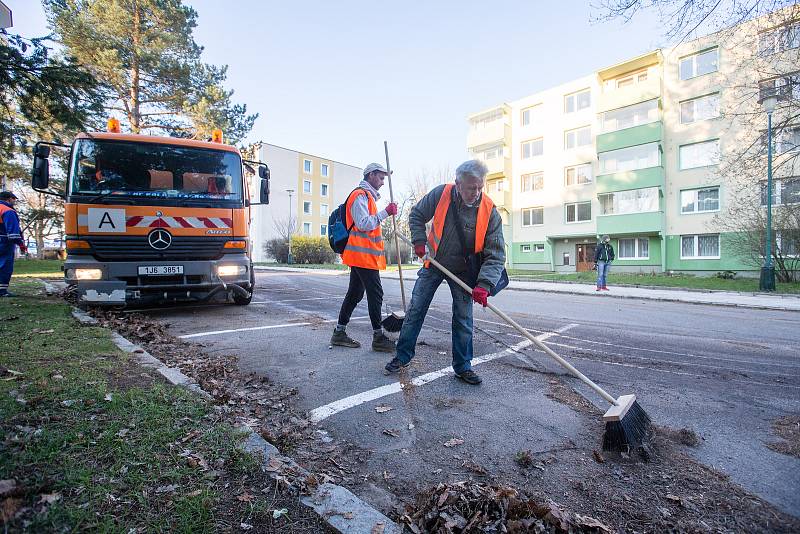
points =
(336, 505)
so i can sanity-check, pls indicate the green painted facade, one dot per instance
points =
(623, 181)
(630, 223)
(727, 260)
(637, 135)
(654, 255)
(525, 260)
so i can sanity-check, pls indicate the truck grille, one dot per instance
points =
(107, 248)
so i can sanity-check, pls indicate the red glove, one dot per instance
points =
(419, 250)
(23, 248)
(391, 209)
(480, 295)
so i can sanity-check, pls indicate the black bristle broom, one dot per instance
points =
(394, 322)
(627, 424)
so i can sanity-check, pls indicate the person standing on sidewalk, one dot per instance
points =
(603, 256)
(465, 224)
(364, 254)
(10, 237)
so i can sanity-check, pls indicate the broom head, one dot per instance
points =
(627, 425)
(394, 322)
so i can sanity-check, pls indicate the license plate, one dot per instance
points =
(160, 270)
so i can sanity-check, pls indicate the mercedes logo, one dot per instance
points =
(159, 239)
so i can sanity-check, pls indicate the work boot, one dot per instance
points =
(7, 294)
(598, 289)
(395, 366)
(470, 377)
(381, 343)
(604, 288)
(341, 339)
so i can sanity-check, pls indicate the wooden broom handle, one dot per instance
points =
(394, 223)
(564, 363)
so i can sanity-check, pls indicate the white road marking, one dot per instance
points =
(323, 412)
(268, 327)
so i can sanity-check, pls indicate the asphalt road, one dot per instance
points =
(725, 373)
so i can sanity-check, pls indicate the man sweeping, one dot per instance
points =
(364, 255)
(10, 238)
(465, 225)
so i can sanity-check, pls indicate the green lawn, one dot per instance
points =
(660, 280)
(38, 268)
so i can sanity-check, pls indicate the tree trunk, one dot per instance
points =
(134, 117)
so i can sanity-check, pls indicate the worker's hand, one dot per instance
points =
(419, 250)
(23, 249)
(391, 209)
(480, 295)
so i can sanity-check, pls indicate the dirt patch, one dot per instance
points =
(560, 392)
(788, 429)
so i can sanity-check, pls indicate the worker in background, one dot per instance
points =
(364, 254)
(603, 256)
(465, 224)
(10, 237)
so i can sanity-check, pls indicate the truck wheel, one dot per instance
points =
(241, 301)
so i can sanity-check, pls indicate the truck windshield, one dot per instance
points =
(119, 169)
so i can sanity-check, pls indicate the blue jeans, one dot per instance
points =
(428, 282)
(602, 272)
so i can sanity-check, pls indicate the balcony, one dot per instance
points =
(625, 180)
(501, 198)
(630, 223)
(636, 135)
(488, 133)
(498, 167)
(626, 96)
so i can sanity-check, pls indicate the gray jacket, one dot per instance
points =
(450, 252)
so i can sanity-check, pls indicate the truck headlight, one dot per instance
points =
(85, 274)
(231, 270)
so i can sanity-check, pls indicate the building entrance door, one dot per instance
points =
(584, 257)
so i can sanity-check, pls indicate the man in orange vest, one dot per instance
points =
(364, 255)
(465, 223)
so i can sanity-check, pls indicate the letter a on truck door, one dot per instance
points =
(106, 220)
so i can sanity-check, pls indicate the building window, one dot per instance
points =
(524, 248)
(538, 247)
(499, 185)
(633, 201)
(323, 190)
(493, 152)
(531, 115)
(788, 242)
(787, 139)
(307, 166)
(323, 169)
(579, 212)
(307, 186)
(307, 207)
(486, 120)
(630, 116)
(532, 216)
(578, 175)
(628, 80)
(700, 246)
(323, 229)
(532, 182)
(532, 148)
(634, 249)
(779, 39)
(784, 191)
(577, 101)
(578, 137)
(630, 159)
(787, 86)
(565, 258)
(700, 109)
(323, 210)
(698, 64)
(307, 228)
(700, 200)
(698, 154)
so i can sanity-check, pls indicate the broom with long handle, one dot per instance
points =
(626, 421)
(394, 322)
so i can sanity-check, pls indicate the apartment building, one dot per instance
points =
(645, 151)
(304, 190)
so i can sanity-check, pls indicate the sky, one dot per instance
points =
(336, 78)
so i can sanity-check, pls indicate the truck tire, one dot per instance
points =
(242, 301)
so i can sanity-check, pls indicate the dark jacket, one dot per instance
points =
(450, 252)
(603, 252)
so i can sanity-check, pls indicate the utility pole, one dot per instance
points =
(289, 227)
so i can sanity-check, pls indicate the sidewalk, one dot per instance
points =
(784, 302)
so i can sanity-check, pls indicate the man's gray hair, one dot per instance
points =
(473, 168)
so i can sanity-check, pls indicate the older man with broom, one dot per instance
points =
(467, 239)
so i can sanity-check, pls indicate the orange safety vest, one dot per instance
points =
(437, 228)
(364, 249)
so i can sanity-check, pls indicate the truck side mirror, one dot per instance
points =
(263, 172)
(265, 190)
(40, 175)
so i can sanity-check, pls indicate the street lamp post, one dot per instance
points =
(769, 99)
(289, 227)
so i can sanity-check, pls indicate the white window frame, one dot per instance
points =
(576, 168)
(323, 190)
(652, 115)
(637, 249)
(574, 96)
(310, 166)
(310, 209)
(306, 228)
(782, 144)
(324, 169)
(607, 156)
(538, 247)
(635, 77)
(693, 102)
(531, 142)
(499, 185)
(530, 217)
(779, 39)
(777, 193)
(533, 180)
(526, 249)
(706, 142)
(696, 246)
(575, 133)
(693, 58)
(649, 194)
(527, 114)
(779, 244)
(695, 202)
(323, 229)
(576, 204)
(323, 210)
(307, 182)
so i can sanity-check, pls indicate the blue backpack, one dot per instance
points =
(338, 232)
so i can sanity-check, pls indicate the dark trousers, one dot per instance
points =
(6, 265)
(361, 281)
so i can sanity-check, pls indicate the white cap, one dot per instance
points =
(374, 167)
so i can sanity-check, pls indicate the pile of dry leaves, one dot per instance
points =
(472, 507)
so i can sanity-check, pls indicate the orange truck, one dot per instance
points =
(153, 220)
